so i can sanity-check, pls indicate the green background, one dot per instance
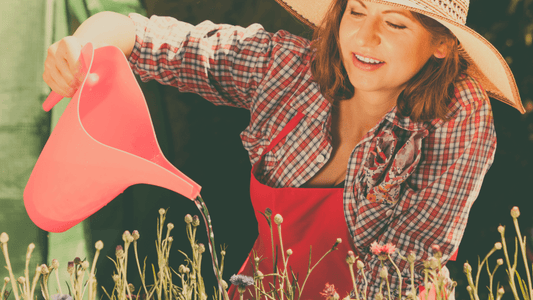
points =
(203, 140)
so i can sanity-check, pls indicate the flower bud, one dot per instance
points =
(170, 226)
(499, 262)
(77, 260)
(170, 239)
(500, 292)
(85, 265)
(501, 229)
(515, 212)
(4, 238)
(224, 284)
(162, 211)
(55, 264)
(350, 258)
(268, 212)
(21, 280)
(195, 221)
(181, 269)
(6, 279)
(119, 251)
(467, 268)
(132, 287)
(136, 235)
(70, 267)
(44, 269)
(379, 296)
(99, 245)
(411, 257)
(188, 218)
(223, 252)
(278, 219)
(469, 289)
(360, 265)
(201, 248)
(498, 246)
(126, 236)
(116, 277)
(383, 273)
(289, 252)
(260, 275)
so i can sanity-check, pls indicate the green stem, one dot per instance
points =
(511, 269)
(523, 250)
(353, 282)
(8, 263)
(399, 276)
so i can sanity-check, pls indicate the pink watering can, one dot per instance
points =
(103, 143)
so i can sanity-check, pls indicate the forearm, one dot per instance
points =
(108, 28)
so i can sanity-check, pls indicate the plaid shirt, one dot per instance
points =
(410, 184)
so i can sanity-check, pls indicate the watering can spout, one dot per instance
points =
(103, 143)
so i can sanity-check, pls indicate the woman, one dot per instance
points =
(380, 130)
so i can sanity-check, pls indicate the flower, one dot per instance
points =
(498, 246)
(383, 251)
(515, 212)
(241, 281)
(61, 297)
(329, 292)
(499, 262)
(99, 245)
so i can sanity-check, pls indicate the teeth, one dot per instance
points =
(367, 60)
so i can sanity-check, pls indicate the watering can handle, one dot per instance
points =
(51, 101)
(86, 57)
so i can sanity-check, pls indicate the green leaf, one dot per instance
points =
(523, 286)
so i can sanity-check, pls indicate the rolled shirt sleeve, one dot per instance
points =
(222, 63)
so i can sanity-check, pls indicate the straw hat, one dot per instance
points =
(486, 63)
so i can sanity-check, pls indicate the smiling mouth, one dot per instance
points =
(368, 60)
(366, 63)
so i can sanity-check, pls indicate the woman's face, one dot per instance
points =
(383, 47)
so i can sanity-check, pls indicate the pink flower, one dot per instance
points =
(383, 251)
(329, 292)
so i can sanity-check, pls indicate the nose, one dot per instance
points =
(368, 34)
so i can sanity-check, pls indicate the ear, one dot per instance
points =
(442, 50)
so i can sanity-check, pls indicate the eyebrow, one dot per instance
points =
(390, 11)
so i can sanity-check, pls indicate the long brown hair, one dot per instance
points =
(426, 95)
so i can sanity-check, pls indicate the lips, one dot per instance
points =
(366, 63)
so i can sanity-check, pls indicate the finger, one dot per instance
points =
(72, 47)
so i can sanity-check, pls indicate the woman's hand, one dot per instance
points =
(62, 68)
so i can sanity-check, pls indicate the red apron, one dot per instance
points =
(306, 212)
(311, 217)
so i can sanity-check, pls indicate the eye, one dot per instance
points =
(355, 13)
(396, 26)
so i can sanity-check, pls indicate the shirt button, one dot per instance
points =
(260, 151)
(320, 158)
(389, 212)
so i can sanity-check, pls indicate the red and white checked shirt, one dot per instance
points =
(410, 184)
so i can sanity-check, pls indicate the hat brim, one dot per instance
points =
(486, 63)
